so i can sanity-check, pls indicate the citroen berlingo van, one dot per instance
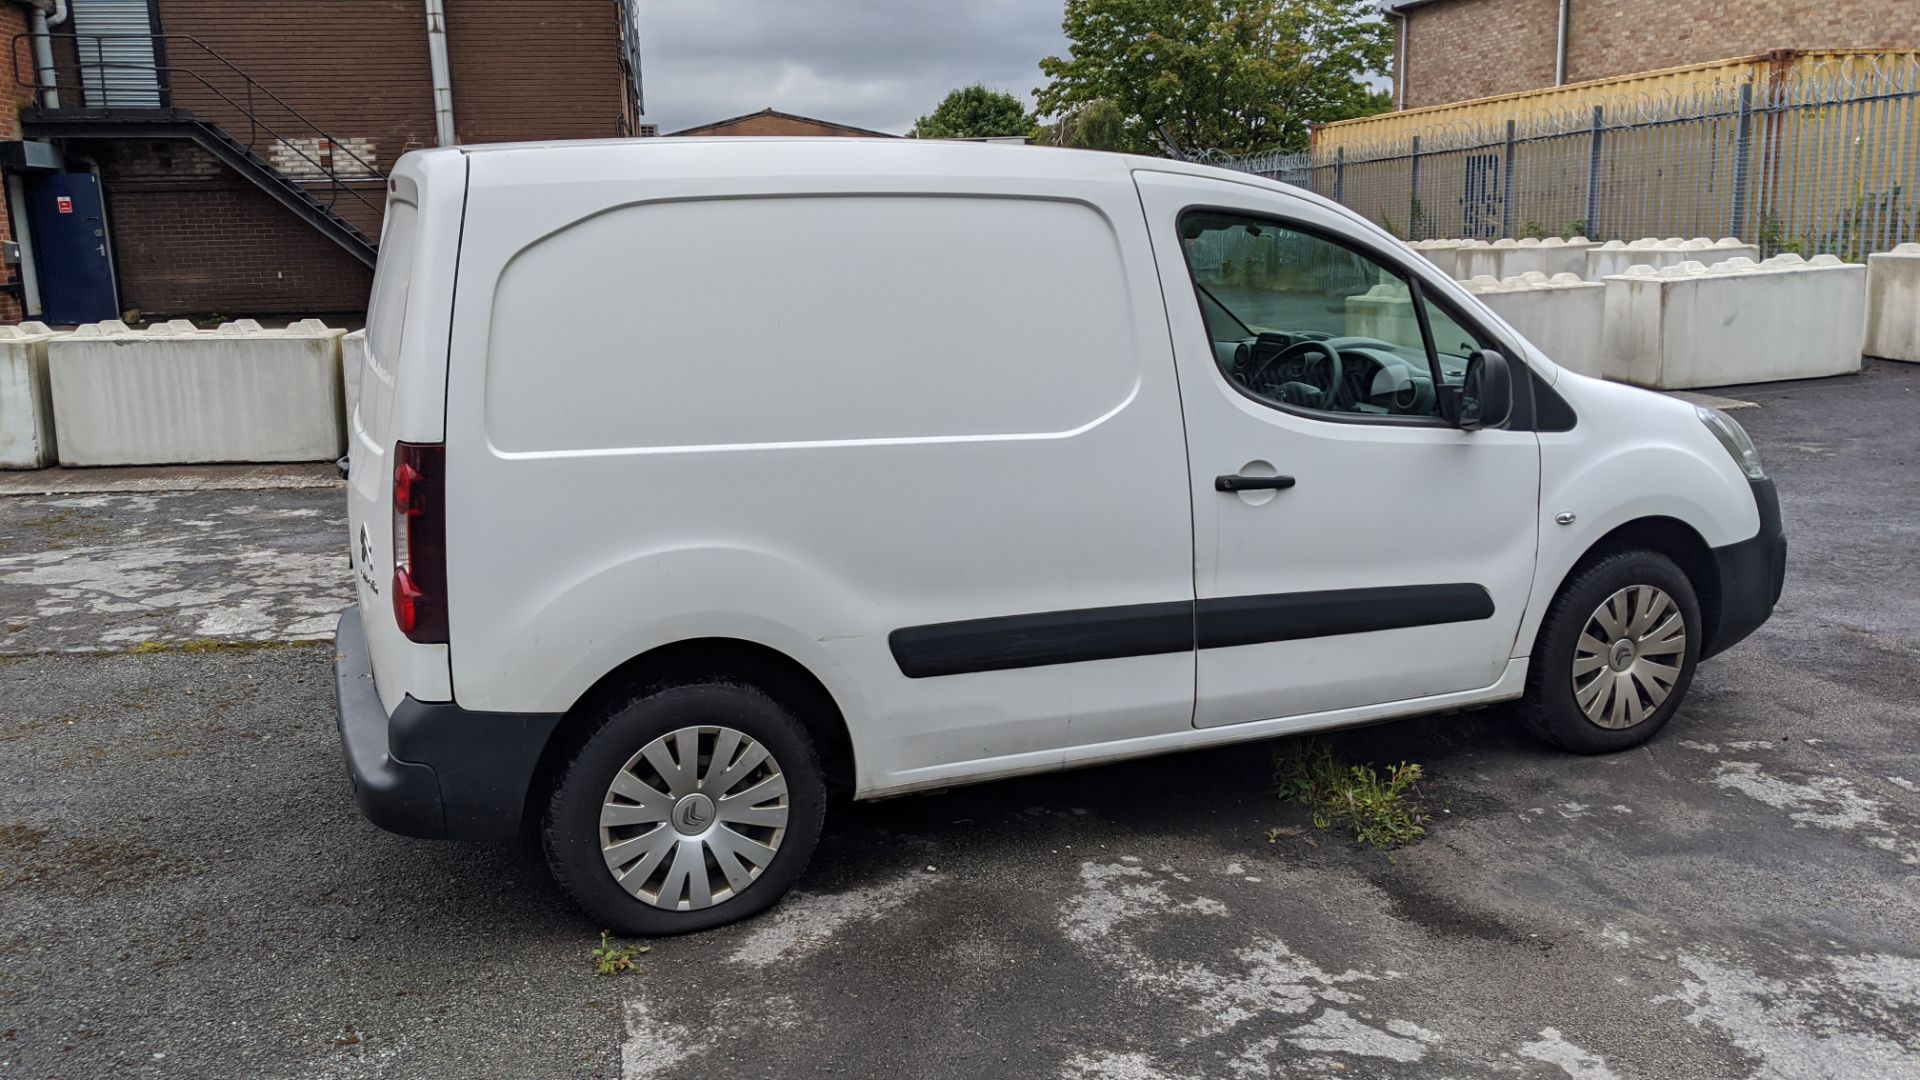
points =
(695, 481)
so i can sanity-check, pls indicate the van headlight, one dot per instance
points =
(1735, 439)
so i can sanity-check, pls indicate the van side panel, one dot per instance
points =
(808, 411)
(403, 399)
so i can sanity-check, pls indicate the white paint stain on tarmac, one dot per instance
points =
(1842, 1016)
(1554, 1049)
(1333, 1031)
(115, 571)
(1107, 1065)
(1116, 892)
(1825, 802)
(653, 1046)
(804, 923)
(1119, 903)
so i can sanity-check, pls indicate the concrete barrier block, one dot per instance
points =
(173, 394)
(1490, 260)
(1691, 325)
(1607, 260)
(353, 357)
(1385, 312)
(26, 398)
(1564, 256)
(1561, 315)
(1466, 254)
(1893, 304)
(1617, 257)
(1444, 254)
(1531, 255)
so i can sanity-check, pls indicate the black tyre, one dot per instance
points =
(690, 807)
(1615, 655)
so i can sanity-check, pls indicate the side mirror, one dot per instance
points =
(1485, 397)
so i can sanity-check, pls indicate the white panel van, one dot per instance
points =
(693, 481)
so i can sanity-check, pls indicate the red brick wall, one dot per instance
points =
(356, 68)
(775, 125)
(1462, 49)
(1620, 37)
(525, 71)
(191, 237)
(13, 20)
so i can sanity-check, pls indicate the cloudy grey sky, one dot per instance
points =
(871, 63)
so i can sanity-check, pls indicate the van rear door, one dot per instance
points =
(402, 400)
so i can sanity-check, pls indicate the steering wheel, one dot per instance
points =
(1291, 365)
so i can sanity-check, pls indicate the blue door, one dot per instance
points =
(69, 224)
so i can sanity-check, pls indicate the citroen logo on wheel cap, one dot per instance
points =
(693, 814)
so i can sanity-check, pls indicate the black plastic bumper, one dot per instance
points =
(432, 769)
(1752, 573)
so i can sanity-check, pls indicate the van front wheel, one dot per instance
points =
(689, 808)
(1615, 655)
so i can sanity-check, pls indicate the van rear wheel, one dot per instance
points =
(688, 808)
(1615, 655)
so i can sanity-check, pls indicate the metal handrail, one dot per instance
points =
(164, 72)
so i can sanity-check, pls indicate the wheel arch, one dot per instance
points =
(1668, 536)
(763, 667)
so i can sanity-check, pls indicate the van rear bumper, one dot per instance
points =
(1752, 573)
(432, 769)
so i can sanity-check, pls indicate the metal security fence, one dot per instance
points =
(1824, 158)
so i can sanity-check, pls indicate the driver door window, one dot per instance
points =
(1303, 322)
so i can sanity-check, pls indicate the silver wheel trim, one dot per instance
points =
(693, 818)
(1629, 657)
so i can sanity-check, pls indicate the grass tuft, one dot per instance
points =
(1378, 808)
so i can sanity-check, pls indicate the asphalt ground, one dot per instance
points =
(186, 888)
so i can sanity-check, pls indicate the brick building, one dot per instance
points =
(238, 151)
(1456, 50)
(13, 21)
(772, 122)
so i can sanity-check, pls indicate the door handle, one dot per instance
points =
(1235, 482)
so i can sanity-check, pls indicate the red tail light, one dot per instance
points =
(420, 541)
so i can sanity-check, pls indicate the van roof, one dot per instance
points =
(858, 156)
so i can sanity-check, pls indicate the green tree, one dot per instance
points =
(1097, 125)
(1233, 75)
(974, 112)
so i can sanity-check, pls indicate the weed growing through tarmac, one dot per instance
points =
(1376, 807)
(214, 645)
(611, 959)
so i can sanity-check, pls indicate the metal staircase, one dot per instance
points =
(95, 69)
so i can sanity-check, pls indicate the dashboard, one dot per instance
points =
(1336, 374)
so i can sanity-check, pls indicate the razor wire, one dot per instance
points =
(1824, 159)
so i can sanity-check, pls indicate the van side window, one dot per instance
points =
(388, 314)
(1312, 325)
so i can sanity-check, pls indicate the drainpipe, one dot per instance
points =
(40, 24)
(442, 80)
(1560, 48)
(1400, 67)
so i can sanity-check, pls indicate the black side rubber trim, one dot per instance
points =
(1253, 620)
(1752, 574)
(432, 769)
(399, 796)
(1054, 637)
(1070, 637)
(484, 761)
